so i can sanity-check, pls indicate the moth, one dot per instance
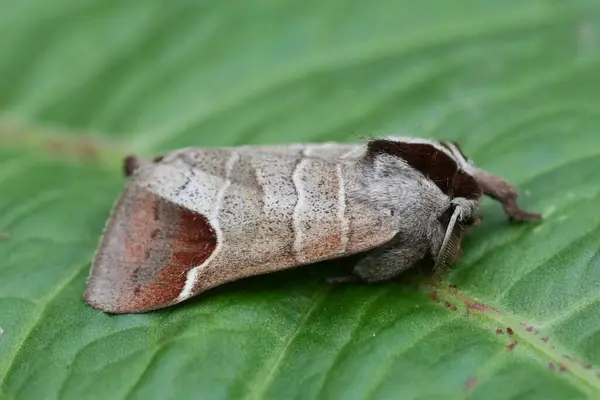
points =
(197, 218)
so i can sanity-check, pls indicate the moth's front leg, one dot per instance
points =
(385, 263)
(504, 192)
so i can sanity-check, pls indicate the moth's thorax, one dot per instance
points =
(419, 180)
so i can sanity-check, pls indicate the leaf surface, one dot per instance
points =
(83, 83)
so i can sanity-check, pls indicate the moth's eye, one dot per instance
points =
(446, 215)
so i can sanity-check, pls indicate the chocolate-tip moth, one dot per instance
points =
(197, 218)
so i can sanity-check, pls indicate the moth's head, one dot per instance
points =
(432, 186)
(454, 222)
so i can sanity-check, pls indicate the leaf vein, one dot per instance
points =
(38, 319)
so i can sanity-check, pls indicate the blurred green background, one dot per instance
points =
(517, 83)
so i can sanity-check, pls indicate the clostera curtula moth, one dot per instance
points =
(197, 218)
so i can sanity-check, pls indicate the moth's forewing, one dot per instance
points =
(202, 217)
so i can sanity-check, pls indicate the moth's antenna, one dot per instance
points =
(449, 246)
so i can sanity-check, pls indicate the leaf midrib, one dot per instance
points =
(39, 137)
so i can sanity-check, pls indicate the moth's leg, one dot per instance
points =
(502, 191)
(386, 262)
(336, 280)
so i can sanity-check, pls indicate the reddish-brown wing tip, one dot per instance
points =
(147, 249)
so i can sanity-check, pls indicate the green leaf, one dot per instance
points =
(85, 82)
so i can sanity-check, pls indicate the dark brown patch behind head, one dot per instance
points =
(435, 164)
(148, 248)
(464, 185)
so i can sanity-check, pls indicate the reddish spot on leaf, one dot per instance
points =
(551, 366)
(529, 329)
(470, 303)
(4, 235)
(562, 367)
(499, 331)
(450, 306)
(598, 375)
(476, 306)
(512, 346)
(434, 296)
(587, 366)
(545, 339)
(510, 331)
(470, 383)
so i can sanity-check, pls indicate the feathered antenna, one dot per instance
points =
(450, 245)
